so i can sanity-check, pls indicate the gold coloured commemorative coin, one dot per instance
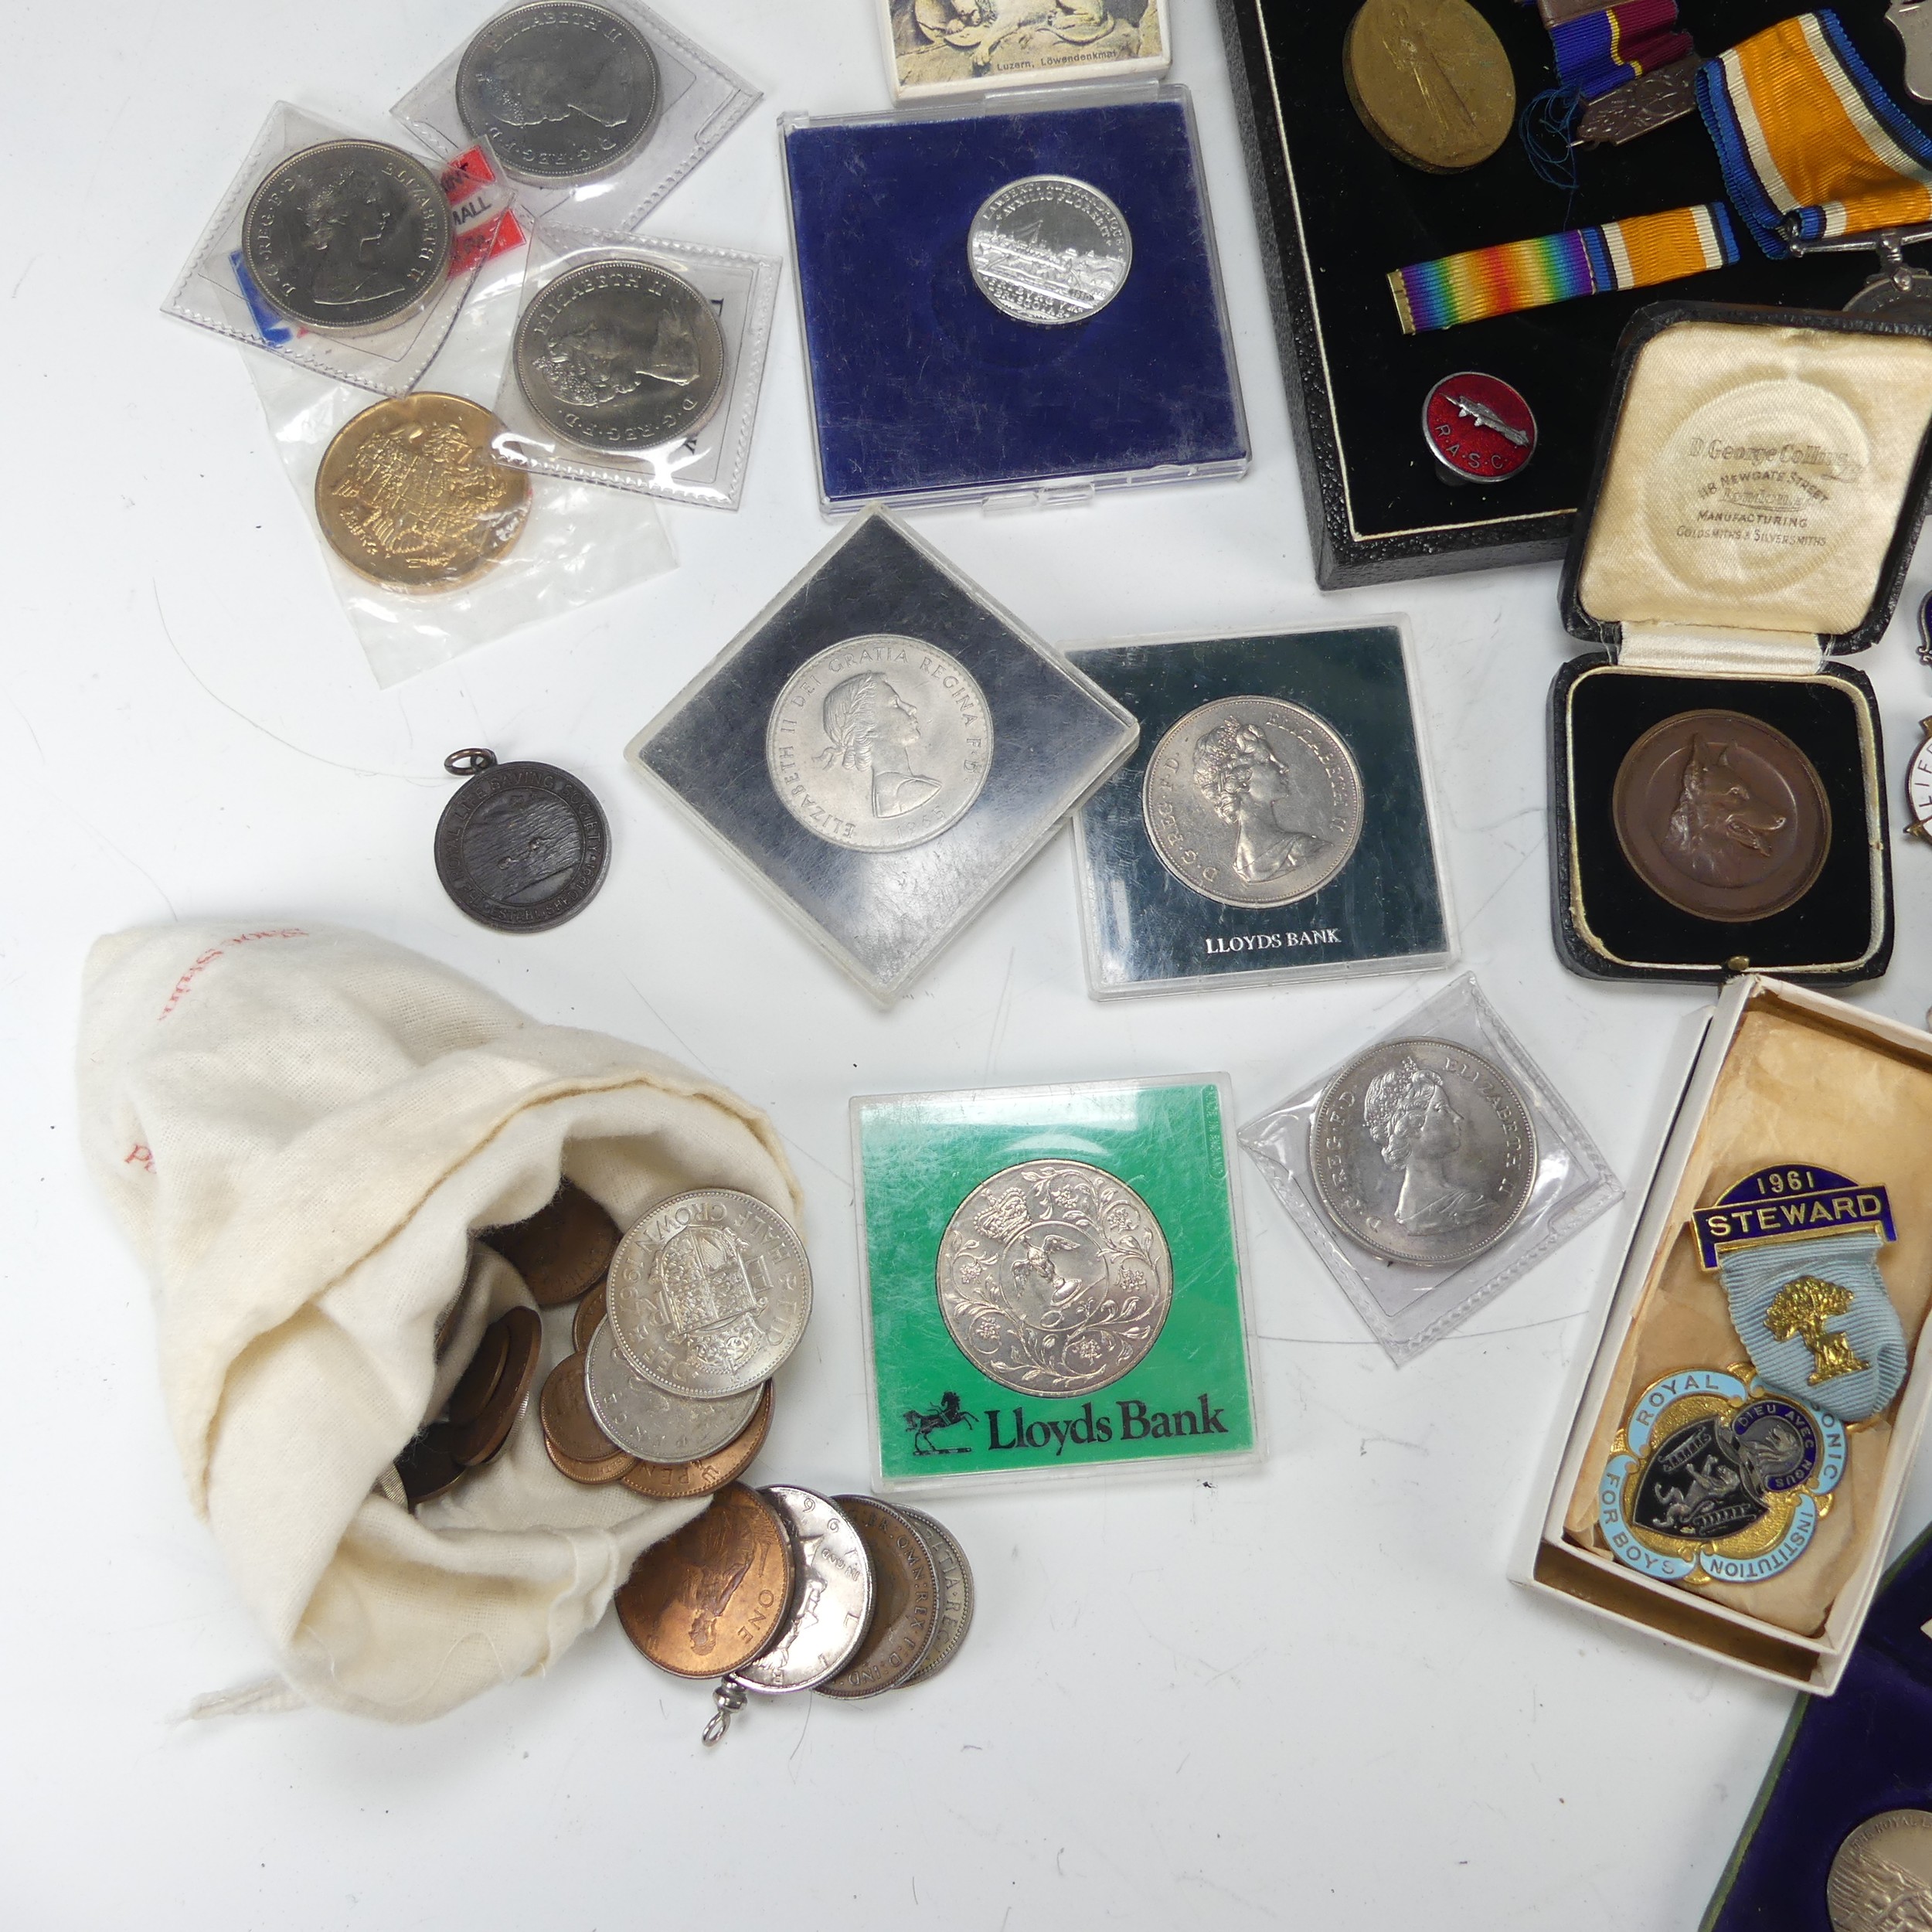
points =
(409, 495)
(1431, 81)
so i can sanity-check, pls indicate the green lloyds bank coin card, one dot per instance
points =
(1052, 1279)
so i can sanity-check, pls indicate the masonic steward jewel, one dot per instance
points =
(1713, 1480)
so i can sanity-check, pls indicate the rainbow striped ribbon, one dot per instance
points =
(1802, 129)
(1601, 51)
(1481, 282)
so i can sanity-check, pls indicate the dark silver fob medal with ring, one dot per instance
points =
(522, 847)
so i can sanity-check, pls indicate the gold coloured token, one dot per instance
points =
(409, 495)
(1431, 81)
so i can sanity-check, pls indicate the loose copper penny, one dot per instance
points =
(584, 1324)
(607, 1469)
(427, 1467)
(904, 1617)
(478, 1384)
(671, 1481)
(1722, 815)
(571, 1430)
(955, 1595)
(563, 1249)
(708, 1599)
(473, 1443)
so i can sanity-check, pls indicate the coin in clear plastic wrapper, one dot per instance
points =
(561, 91)
(1423, 1152)
(348, 237)
(620, 355)
(1252, 801)
(1055, 1278)
(834, 1607)
(879, 742)
(1050, 249)
(709, 1294)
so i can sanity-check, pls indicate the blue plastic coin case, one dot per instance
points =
(923, 391)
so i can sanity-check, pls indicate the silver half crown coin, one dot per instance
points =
(709, 1294)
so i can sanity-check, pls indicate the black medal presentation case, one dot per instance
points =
(1336, 211)
(1717, 783)
(1843, 1761)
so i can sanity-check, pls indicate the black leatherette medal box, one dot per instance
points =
(1336, 211)
(1609, 924)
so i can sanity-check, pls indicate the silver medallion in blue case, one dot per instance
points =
(1715, 1480)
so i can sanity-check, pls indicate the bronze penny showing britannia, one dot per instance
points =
(1881, 1879)
(676, 1481)
(577, 1445)
(1722, 815)
(562, 1250)
(1431, 81)
(1054, 1278)
(409, 495)
(584, 1324)
(956, 1597)
(474, 1443)
(905, 1602)
(709, 1598)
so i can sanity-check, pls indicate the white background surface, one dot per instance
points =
(1305, 1694)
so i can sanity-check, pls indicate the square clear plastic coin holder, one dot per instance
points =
(342, 254)
(1431, 1169)
(637, 362)
(938, 47)
(593, 109)
(881, 751)
(1015, 301)
(1275, 821)
(556, 545)
(1052, 1283)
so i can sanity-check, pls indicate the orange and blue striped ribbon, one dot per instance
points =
(1480, 282)
(1806, 136)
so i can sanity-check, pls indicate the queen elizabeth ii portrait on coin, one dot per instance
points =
(1418, 1130)
(870, 726)
(1248, 788)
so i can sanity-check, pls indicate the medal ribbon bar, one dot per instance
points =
(1481, 282)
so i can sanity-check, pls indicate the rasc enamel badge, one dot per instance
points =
(1712, 1480)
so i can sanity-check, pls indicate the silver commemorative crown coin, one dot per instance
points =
(709, 1294)
(1423, 1152)
(523, 847)
(1054, 1278)
(560, 91)
(348, 237)
(879, 742)
(620, 354)
(1252, 801)
(1050, 249)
